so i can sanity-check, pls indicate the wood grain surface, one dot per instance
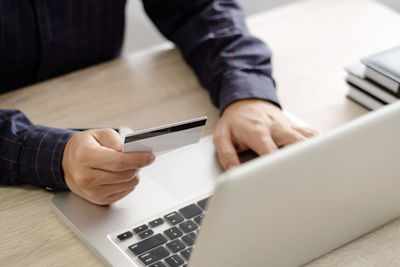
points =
(312, 42)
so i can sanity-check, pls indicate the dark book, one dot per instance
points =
(384, 68)
(364, 98)
(356, 77)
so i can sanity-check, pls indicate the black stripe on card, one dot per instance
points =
(163, 131)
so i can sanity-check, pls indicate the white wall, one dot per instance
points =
(139, 31)
(141, 34)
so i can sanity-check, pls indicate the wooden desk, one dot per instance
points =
(312, 42)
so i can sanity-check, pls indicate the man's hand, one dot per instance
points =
(96, 169)
(257, 125)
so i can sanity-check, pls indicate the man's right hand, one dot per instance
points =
(96, 169)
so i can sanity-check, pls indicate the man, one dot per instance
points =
(40, 39)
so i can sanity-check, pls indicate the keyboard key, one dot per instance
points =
(174, 261)
(189, 239)
(190, 211)
(156, 222)
(125, 235)
(203, 203)
(148, 244)
(173, 233)
(140, 228)
(198, 219)
(174, 218)
(188, 226)
(154, 255)
(186, 253)
(175, 245)
(146, 234)
(158, 264)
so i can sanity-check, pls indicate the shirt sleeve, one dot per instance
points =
(31, 154)
(213, 38)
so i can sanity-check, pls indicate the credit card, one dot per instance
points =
(165, 137)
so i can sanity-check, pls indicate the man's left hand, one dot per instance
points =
(257, 125)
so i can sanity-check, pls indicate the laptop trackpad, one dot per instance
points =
(186, 172)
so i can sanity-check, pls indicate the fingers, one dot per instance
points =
(104, 194)
(286, 136)
(95, 169)
(227, 154)
(115, 197)
(262, 141)
(108, 138)
(108, 159)
(121, 187)
(305, 131)
(107, 154)
(254, 124)
(96, 177)
(263, 144)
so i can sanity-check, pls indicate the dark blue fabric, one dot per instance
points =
(29, 153)
(40, 39)
(213, 38)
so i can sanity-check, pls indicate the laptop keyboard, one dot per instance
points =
(168, 240)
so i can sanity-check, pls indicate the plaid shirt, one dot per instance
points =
(40, 39)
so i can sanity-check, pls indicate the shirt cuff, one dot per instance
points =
(42, 157)
(238, 85)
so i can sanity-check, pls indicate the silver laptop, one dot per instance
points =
(285, 209)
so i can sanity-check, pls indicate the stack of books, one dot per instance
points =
(375, 81)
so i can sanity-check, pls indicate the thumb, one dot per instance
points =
(108, 138)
